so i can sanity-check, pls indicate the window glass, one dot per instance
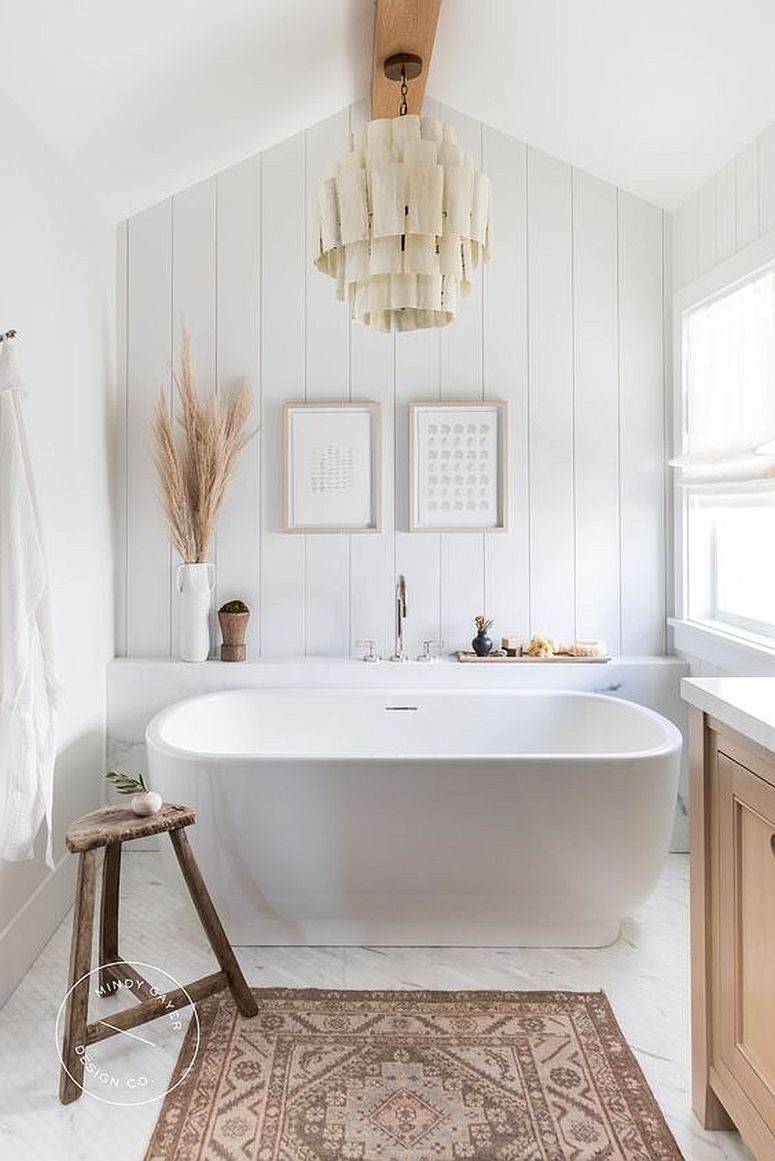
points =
(727, 460)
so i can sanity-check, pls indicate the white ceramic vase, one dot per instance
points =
(145, 803)
(195, 584)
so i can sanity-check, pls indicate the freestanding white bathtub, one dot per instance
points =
(383, 817)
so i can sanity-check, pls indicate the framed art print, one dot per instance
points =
(333, 467)
(458, 464)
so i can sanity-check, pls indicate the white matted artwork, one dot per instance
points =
(458, 459)
(333, 465)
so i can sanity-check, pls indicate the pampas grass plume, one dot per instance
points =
(195, 470)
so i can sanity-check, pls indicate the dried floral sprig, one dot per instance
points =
(483, 623)
(126, 784)
(193, 477)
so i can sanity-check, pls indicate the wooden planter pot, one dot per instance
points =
(234, 627)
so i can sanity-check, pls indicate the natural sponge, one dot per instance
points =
(540, 647)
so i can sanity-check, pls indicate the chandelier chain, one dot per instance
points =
(403, 108)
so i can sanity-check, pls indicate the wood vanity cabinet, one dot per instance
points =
(733, 932)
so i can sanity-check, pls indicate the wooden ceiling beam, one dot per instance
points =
(402, 26)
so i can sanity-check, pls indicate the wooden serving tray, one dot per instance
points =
(469, 658)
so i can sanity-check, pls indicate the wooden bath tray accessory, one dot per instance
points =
(469, 658)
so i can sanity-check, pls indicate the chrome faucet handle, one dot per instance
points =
(371, 650)
(431, 651)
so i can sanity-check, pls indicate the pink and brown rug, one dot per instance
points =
(426, 1076)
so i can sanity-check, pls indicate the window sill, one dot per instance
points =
(743, 655)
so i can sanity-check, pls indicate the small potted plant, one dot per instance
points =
(482, 644)
(233, 618)
(144, 801)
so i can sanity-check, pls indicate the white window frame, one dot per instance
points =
(719, 644)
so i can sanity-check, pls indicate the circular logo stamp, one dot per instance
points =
(132, 1065)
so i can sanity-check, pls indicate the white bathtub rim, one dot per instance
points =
(673, 737)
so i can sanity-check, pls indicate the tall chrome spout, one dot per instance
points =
(400, 652)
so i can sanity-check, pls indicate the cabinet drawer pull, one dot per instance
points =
(772, 843)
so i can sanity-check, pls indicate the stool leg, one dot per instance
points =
(243, 997)
(76, 1016)
(111, 875)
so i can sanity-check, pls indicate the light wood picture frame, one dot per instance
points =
(458, 463)
(333, 466)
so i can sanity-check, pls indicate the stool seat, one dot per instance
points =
(118, 824)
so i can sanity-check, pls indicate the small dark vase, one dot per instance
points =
(482, 645)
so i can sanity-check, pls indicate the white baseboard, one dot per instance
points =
(23, 939)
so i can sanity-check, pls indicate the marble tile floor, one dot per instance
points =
(645, 975)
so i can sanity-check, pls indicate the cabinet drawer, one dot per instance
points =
(744, 946)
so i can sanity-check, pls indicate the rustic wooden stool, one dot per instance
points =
(110, 827)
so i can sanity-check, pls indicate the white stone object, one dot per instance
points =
(146, 803)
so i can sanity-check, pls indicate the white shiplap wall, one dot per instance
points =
(728, 212)
(566, 324)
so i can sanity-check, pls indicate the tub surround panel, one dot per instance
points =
(137, 689)
(566, 325)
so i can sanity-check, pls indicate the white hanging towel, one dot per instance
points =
(28, 688)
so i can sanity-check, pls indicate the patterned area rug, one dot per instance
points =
(426, 1076)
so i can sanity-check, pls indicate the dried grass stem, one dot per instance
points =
(195, 471)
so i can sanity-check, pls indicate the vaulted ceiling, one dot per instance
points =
(144, 97)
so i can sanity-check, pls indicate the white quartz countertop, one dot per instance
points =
(745, 704)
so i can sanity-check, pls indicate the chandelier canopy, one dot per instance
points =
(404, 224)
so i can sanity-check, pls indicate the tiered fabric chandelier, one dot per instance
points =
(405, 223)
